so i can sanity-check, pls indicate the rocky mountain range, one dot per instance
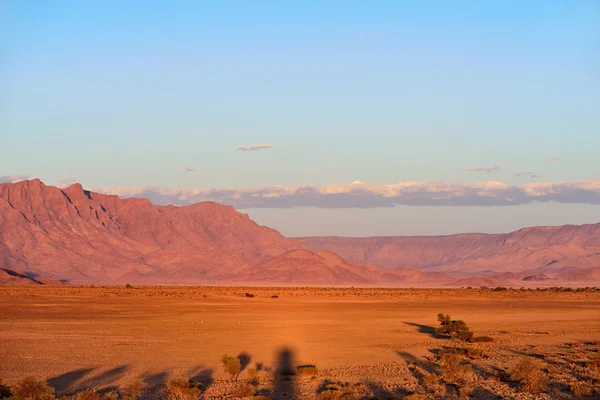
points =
(51, 235)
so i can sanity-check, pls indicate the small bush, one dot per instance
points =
(133, 390)
(249, 295)
(581, 389)
(417, 396)
(183, 389)
(274, 296)
(251, 373)
(472, 352)
(32, 388)
(530, 374)
(452, 367)
(231, 365)
(307, 370)
(431, 379)
(454, 329)
(110, 396)
(465, 392)
(244, 390)
(482, 339)
(89, 394)
(128, 286)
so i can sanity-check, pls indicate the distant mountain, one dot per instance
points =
(85, 237)
(544, 249)
(49, 235)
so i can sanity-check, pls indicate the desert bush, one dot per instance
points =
(249, 295)
(274, 296)
(454, 329)
(499, 289)
(5, 391)
(251, 373)
(32, 388)
(110, 396)
(417, 396)
(453, 369)
(472, 352)
(431, 379)
(465, 392)
(581, 389)
(307, 370)
(530, 374)
(89, 394)
(231, 365)
(181, 388)
(244, 390)
(482, 339)
(128, 286)
(133, 390)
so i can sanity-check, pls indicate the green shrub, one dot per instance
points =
(454, 329)
(32, 388)
(231, 365)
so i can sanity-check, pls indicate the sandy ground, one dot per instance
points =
(80, 336)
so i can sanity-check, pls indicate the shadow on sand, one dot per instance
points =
(426, 329)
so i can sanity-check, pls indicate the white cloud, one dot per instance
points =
(367, 195)
(482, 169)
(253, 147)
(551, 159)
(13, 178)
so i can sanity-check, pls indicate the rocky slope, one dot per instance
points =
(81, 236)
(543, 249)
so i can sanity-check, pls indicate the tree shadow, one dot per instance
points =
(158, 378)
(69, 379)
(202, 375)
(106, 378)
(285, 376)
(426, 329)
(245, 359)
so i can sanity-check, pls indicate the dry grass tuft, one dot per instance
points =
(183, 389)
(89, 394)
(465, 392)
(32, 388)
(530, 374)
(581, 389)
(133, 390)
(244, 390)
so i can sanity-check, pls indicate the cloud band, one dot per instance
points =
(365, 195)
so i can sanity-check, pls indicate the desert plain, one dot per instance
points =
(380, 341)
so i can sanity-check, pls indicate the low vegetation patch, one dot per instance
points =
(455, 329)
(133, 390)
(32, 388)
(530, 374)
(249, 295)
(180, 388)
(231, 365)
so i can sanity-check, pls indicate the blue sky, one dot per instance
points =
(121, 94)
